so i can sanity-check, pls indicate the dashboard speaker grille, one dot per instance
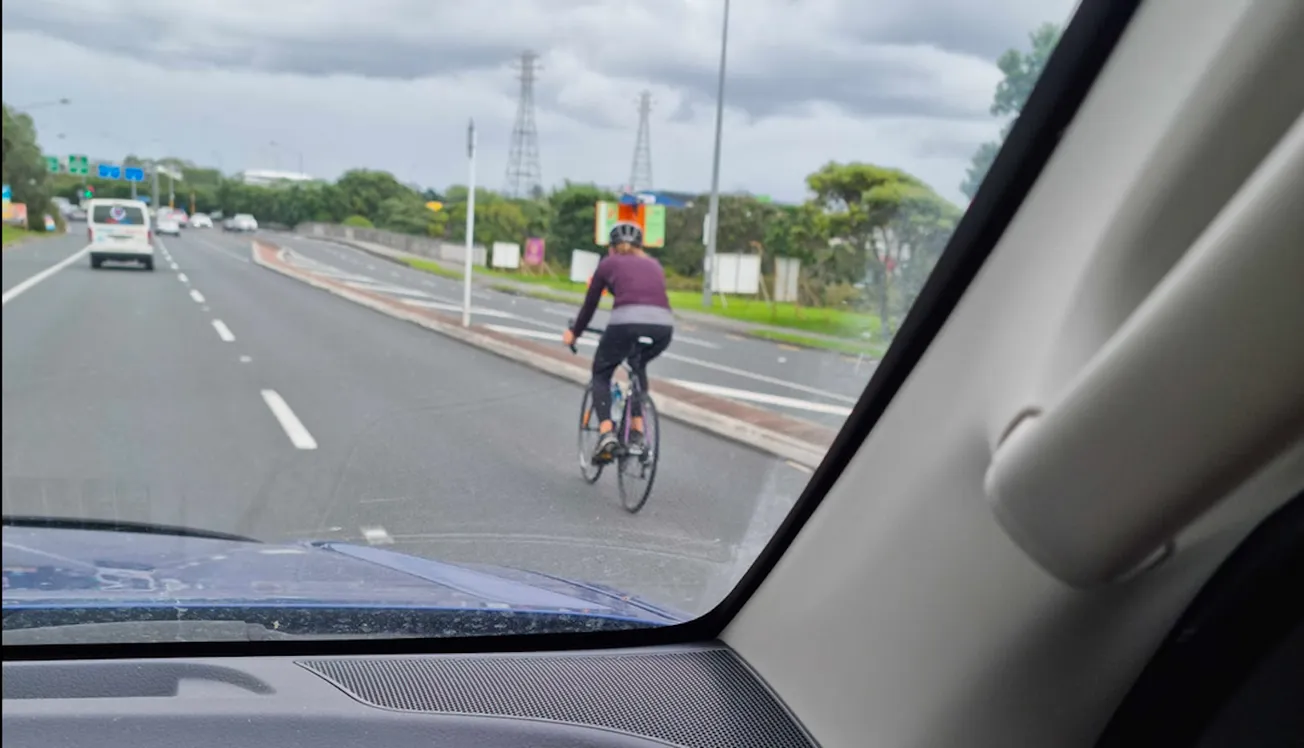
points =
(702, 698)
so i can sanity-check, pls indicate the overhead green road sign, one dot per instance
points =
(53, 164)
(79, 164)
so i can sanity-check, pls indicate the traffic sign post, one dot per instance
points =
(79, 164)
(133, 174)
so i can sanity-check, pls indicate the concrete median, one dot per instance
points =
(794, 439)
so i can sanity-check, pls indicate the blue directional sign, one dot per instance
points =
(133, 173)
(110, 171)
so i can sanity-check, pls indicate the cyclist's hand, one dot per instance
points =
(568, 338)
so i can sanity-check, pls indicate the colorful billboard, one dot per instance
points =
(651, 218)
(534, 251)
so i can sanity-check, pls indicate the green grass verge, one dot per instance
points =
(851, 348)
(836, 322)
(431, 266)
(14, 235)
(848, 325)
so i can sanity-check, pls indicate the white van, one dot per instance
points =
(119, 231)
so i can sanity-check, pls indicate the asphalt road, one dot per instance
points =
(213, 393)
(820, 386)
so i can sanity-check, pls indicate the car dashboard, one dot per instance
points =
(700, 695)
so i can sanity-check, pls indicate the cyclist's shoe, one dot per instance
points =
(636, 444)
(606, 449)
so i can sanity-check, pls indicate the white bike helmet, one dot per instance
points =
(626, 232)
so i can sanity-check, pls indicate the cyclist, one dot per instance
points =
(640, 309)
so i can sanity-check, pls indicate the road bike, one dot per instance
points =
(636, 464)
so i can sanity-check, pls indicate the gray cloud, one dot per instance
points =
(784, 53)
(161, 40)
(389, 84)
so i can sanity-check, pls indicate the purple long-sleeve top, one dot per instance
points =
(638, 284)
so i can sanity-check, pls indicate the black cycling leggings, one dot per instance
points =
(618, 342)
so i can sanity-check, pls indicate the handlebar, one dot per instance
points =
(571, 323)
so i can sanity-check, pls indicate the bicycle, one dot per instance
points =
(633, 461)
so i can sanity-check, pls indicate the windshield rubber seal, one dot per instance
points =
(1070, 72)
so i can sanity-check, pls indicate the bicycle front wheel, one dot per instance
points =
(588, 438)
(637, 467)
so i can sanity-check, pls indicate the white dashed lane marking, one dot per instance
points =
(197, 296)
(223, 331)
(291, 424)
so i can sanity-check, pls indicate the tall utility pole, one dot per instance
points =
(470, 224)
(708, 266)
(524, 174)
(640, 174)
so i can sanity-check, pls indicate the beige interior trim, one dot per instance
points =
(1198, 390)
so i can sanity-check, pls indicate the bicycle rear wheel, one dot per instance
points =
(588, 438)
(637, 468)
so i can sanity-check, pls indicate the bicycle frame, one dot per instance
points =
(631, 364)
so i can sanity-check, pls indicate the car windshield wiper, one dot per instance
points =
(117, 525)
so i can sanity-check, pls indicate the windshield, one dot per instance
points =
(429, 410)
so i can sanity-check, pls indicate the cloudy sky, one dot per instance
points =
(390, 84)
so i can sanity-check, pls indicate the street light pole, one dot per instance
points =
(470, 224)
(708, 265)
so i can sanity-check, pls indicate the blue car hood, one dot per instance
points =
(47, 567)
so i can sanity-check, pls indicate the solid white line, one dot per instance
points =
(294, 428)
(385, 288)
(695, 361)
(695, 341)
(537, 334)
(760, 377)
(197, 296)
(223, 331)
(46, 273)
(182, 277)
(761, 397)
(482, 312)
